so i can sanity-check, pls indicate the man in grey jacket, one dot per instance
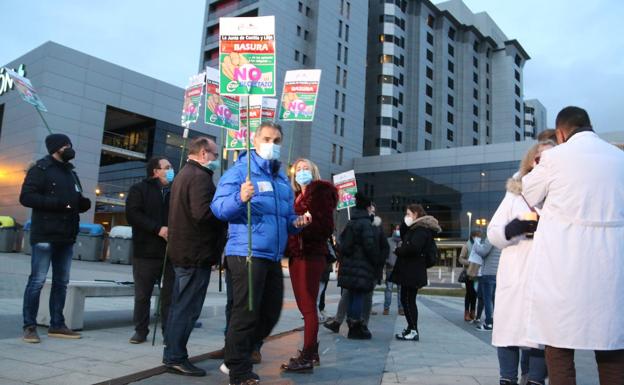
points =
(491, 256)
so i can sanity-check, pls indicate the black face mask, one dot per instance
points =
(68, 154)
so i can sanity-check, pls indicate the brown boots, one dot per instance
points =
(468, 316)
(304, 362)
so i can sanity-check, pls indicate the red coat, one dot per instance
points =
(320, 199)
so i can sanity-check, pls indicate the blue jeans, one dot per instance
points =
(488, 287)
(508, 358)
(60, 255)
(189, 292)
(388, 292)
(356, 304)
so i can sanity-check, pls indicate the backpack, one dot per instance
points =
(432, 256)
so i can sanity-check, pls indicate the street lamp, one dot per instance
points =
(469, 223)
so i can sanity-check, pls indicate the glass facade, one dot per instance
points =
(447, 193)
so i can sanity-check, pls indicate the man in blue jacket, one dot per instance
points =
(273, 219)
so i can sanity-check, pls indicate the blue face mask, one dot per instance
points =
(269, 151)
(213, 164)
(169, 175)
(303, 177)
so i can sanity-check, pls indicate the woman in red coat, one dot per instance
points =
(307, 252)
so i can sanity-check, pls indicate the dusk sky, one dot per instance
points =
(576, 46)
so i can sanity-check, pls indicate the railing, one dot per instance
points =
(125, 142)
(229, 8)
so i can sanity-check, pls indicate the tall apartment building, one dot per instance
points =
(439, 76)
(534, 118)
(330, 35)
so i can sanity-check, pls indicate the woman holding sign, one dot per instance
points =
(307, 254)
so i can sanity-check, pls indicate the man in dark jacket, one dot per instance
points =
(196, 240)
(54, 193)
(147, 208)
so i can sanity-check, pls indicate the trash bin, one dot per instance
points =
(89, 242)
(26, 248)
(8, 234)
(120, 245)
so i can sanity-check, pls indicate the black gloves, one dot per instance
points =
(519, 227)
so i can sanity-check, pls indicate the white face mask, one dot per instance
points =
(477, 239)
(269, 151)
(397, 233)
(408, 220)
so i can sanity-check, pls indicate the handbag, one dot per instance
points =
(463, 277)
(475, 262)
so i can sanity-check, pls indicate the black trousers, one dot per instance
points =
(247, 326)
(408, 300)
(147, 273)
(470, 300)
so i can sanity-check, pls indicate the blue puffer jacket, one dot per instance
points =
(272, 208)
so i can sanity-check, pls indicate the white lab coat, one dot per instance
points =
(576, 264)
(510, 312)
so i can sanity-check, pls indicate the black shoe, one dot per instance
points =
(249, 381)
(366, 333)
(332, 325)
(138, 338)
(507, 382)
(357, 332)
(185, 369)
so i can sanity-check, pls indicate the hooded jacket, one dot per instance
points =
(272, 208)
(320, 199)
(410, 269)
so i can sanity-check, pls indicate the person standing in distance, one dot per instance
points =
(53, 192)
(272, 220)
(196, 239)
(576, 264)
(147, 209)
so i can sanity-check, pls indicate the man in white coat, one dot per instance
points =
(576, 280)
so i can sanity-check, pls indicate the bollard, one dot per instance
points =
(440, 273)
(453, 276)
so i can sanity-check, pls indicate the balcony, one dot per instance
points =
(228, 9)
(125, 146)
(110, 194)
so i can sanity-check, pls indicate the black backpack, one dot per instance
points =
(432, 256)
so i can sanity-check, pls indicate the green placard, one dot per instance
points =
(299, 95)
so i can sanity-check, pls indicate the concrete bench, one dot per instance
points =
(77, 292)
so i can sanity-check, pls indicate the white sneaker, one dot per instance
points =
(224, 369)
(322, 316)
(407, 335)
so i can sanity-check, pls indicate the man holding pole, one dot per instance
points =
(196, 239)
(257, 281)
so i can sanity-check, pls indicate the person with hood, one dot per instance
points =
(470, 299)
(510, 232)
(380, 261)
(390, 261)
(273, 219)
(410, 270)
(53, 192)
(307, 255)
(147, 209)
(576, 263)
(358, 256)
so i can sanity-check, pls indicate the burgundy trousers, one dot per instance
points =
(305, 275)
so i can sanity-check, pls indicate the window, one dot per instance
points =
(400, 137)
(475, 46)
(400, 97)
(475, 110)
(298, 31)
(333, 156)
(429, 91)
(335, 124)
(517, 75)
(428, 109)
(385, 59)
(449, 135)
(337, 75)
(348, 9)
(429, 38)
(517, 137)
(451, 67)
(430, 56)
(401, 78)
(487, 115)
(430, 20)
(475, 77)
(487, 83)
(451, 33)
(346, 33)
(517, 90)
(428, 126)
(307, 11)
(344, 102)
(449, 117)
(451, 50)
(346, 55)
(429, 73)
(518, 106)
(450, 100)
(344, 78)
(475, 62)
(296, 55)
(341, 149)
(451, 83)
(400, 117)
(475, 127)
(300, 6)
(339, 28)
(475, 93)
(518, 122)
(306, 34)
(339, 51)
(475, 141)
(487, 68)
(518, 60)
(427, 144)
(487, 130)
(336, 99)
(487, 98)
(342, 126)
(304, 60)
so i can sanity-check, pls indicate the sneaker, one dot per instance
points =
(63, 332)
(322, 316)
(386, 312)
(476, 321)
(224, 369)
(249, 381)
(407, 335)
(138, 338)
(30, 335)
(484, 327)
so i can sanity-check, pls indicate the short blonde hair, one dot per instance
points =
(316, 175)
(527, 162)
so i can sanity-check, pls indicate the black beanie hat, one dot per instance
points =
(55, 141)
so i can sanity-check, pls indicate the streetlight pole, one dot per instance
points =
(469, 223)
